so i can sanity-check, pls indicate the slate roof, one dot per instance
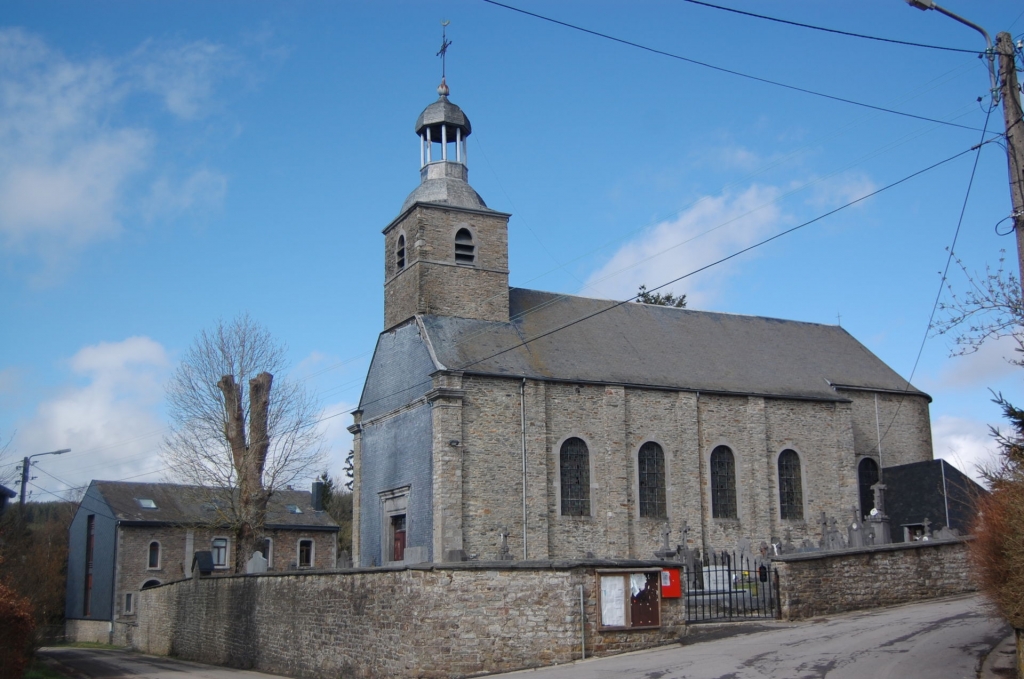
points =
(179, 504)
(662, 347)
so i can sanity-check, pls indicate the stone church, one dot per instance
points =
(535, 425)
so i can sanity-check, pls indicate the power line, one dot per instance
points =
(831, 30)
(942, 280)
(723, 259)
(722, 69)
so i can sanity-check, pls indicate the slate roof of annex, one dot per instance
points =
(660, 347)
(180, 504)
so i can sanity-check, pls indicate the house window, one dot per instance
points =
(723, 483)
(293, 509)
(791, 495)
(154, 555)
(867, 476)
(465, 251)
(574, 472)
(651, 476)
(305, 553)
(219, 549)
(400, 253)
(129, 603)
(146, 503)
(630, 600)
(90, 544)
(150, 583)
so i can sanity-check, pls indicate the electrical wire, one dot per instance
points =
(832, 30)
(722, 69)
(942, 280)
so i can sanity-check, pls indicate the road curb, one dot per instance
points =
(1001, 661)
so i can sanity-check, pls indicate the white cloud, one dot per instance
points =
(184, 75)
(983, 368)
(714, 227)
(337, 439)
(832, 192)
(200, 192)
(70, 164)
(108, 416)
(962, 442)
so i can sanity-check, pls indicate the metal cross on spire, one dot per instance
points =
(443, 52)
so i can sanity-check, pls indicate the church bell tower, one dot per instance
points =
(446, 253)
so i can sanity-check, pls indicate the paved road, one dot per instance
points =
(942, 639)
(110, 664)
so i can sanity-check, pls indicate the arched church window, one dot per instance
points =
(465, 250)
(791, 494)
(574, 472)
(400, 252)
(651, 475)
(867, 476)
(154, 555)
(723, 483)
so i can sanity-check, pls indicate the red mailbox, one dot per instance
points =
(671, 588)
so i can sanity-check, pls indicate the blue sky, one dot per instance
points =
(166, 164)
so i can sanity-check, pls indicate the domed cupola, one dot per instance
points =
(444, 178)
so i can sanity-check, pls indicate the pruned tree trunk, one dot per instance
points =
(249, 458)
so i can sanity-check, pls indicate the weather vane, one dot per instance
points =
(443, 52)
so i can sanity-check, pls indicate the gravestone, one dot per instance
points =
(665, 552)
(878, 521)
(257, 563)
(946, 533)
(503, 552)
(834, 539)
(344, 559)
(855, 531)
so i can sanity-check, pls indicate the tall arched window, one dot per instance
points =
(723, 483)
(154, 554)
(400, 252)
(465, 251)
(791, 494)
(574, 472)
(867, 476)
(651, 475)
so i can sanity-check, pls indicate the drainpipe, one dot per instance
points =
(113, 585)
(700, 482)
(522, 423)
(945, 495)
(878, 434)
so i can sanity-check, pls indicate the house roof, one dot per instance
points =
(592, 340)
(180, 504)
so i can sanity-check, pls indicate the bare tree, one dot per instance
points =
(8, 465)
(238, 435)
(990, 308)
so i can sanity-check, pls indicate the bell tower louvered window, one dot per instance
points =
(400, 253)
(465, 250)
(791, 494)
(651, 477)
(723, 483)
(574, 471)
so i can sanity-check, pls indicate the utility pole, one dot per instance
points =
(1014, 137)
(1004, 87)
(26, 465)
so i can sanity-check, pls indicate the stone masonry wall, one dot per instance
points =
(431, 282)
(908, 439)
(814, 584)
(451, 621)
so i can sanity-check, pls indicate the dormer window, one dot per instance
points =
(465, 251)
(400, 253)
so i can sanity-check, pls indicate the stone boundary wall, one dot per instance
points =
(443, 620)
(819, 583)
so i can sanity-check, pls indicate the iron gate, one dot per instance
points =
(726, 587)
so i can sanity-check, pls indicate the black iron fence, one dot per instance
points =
(722, 587)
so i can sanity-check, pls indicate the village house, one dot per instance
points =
(126, 537)
(501, 422)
